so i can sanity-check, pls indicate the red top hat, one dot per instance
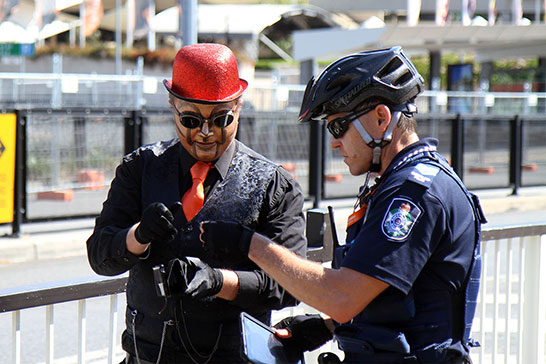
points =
(206, 73)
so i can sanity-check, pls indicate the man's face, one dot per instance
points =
(206, 142)
(356, 154)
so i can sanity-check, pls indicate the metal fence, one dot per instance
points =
(74, 130)
(510, 321)
(71, 154)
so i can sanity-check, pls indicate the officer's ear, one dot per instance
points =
(383, 115)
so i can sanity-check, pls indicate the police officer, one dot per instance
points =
(159, 196)
(403, 288)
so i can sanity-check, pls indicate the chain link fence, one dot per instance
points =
(72, 149)
(70, 161)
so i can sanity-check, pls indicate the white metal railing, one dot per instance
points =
(63, 90)
(510, 321)
(50, 296)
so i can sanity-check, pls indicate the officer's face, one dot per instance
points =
(206, 130)
(356, 154)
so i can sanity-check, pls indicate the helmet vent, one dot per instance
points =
(405, 78)
(395, 73)
(390, 67)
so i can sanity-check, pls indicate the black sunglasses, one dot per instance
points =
(339, 126)
(192, 120)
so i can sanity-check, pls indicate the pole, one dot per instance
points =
(189, 24)
(151, 31)
(118, 37)
(82, 24)
(130, 22)
(19, 201)
(516, 146)
(457, 152)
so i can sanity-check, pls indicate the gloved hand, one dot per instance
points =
(193, 277)
(229, 241)
(156, 223)
(205, 281)
(177, 276)
(306, 332)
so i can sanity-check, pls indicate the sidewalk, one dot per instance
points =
(56, 239)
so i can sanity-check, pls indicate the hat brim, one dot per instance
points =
(243, 84)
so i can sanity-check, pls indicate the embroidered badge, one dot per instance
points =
(400, 218)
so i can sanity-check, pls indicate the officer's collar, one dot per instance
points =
(412, 150)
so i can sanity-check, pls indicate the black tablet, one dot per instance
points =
(261, 345)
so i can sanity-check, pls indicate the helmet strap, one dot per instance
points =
(376, 160)
(377, 144)
(387, 137)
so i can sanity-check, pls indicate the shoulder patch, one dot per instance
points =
(400, 219)
(423, 174)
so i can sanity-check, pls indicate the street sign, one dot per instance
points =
(8, 127)
(17, 49)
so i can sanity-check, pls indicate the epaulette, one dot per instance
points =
(423, 174)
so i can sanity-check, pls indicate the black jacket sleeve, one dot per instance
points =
(106, 247)
(282, 221)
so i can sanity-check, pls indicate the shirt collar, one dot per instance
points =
(423, 145)
(221, 164)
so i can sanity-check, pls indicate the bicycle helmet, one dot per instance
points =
(345, 84)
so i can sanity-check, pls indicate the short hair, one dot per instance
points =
(407, 124)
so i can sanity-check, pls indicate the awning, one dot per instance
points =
(486, 42)
(222, 19)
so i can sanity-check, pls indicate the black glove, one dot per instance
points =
(205, 281)
(178, 276)
(309, 332)
(156, 223)
(229, 241)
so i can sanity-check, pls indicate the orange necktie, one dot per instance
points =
(193, 199)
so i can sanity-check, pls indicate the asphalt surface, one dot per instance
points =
(65, 238)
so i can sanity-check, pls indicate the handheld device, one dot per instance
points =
(160, 279)
(333, 226)
(262, 346)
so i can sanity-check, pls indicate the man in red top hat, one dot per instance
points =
(161, 193)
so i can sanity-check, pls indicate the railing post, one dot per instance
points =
(16, 337)
(534, 312)
(457, 145)
(133, 131)
(113, 328)
(516, 153)
(325, 148)
(50, 334)
(316, 171)
(82, 327)
(19, 190)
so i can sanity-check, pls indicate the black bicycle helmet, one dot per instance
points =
(345, 84)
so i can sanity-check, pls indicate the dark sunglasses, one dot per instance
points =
(339, 126)
(193, 120)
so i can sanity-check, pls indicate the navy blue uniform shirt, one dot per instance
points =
(412, 231)
(418, 236)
